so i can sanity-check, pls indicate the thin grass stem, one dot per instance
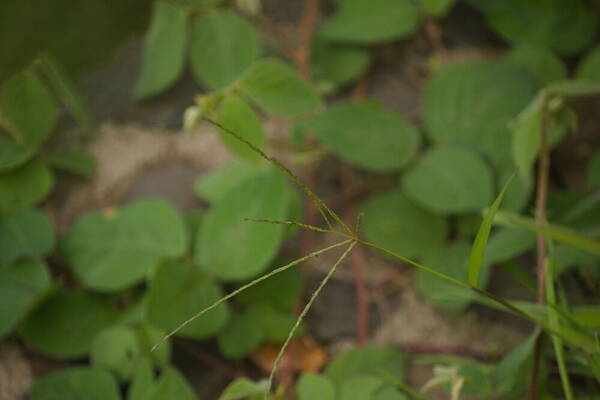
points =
(246, 286)
(302, 315)
(321, 206)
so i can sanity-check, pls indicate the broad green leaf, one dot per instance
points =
(369, 360)
(28, 233)
(451, 261)
(65, 325)
(507, 243)
(223, 46)
(242, 389)
(338, 63)
(29, 113)
(177, 291)
(396, 223)
(540, 61)
(66, 90)
(471, 104)
(76, 383)
(558, 233)
(527, 131)
(481, 240)
(77, 162)
(281, 291)
(24, 186)
(565, 27)
(512, 373)
(240, 336)
(312, 386)
(114, 249)
(450, 180)
(589, 67)
(236, 115)
(142, 384)
(164, 47)
(117, 350)
(275, 323)
(519, 192)
(360, 388)
(172, 385)
(22, 285)
(593, 171)
(567, 257)
(278, 89)
(389, 392)
(437, 8)
(214, 185)
(147, 336)
(366, 135)
(233, 249)
(359, 21)
(574, 88)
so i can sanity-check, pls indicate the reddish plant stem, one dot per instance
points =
(540, 219)
(306, 28)
(208, 359)
(434, 36)
(307, 25)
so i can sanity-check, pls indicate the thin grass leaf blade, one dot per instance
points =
(558, 233)
(480, 243)
(553, 322)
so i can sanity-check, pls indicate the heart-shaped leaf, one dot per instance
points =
(28, 233)
(65, 325)
(452, 261)
(278, 89)
(450, 180)
(236, 115)
(29, 113)
(232, 248)
(471, 104)
(76, 383)
(164, 49)
(360, 21)
(22, 284)
(177, 292)
(240, 336)
(396, 223)
(366, 135)
(224, 45)
(24, 186)
(565, 27)
(114, 249)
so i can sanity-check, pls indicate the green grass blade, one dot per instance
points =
(480, 243)
(247, 286)
(302, 315)
(554, 324)
(558, 233)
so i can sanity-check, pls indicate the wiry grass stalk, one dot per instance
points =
(247, 286)
(321, 206)
(302, 315)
